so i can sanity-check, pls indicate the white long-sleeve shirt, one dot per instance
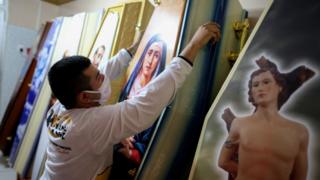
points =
(83, 147)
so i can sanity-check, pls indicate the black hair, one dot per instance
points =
(66, 79)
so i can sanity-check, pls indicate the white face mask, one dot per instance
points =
(104, 91)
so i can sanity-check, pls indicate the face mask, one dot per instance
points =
(104, 91)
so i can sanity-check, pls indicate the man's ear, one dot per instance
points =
(87, 99)
(82, 98)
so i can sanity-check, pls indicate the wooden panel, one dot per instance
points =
(124, 38)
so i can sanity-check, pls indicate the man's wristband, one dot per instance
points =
(186, 59)
(129, 52)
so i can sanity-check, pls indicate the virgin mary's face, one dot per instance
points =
(151, 59)
(265, 89)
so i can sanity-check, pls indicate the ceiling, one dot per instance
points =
(57, 2)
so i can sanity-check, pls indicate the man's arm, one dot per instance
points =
(133, 48)
(300, 166)
(139, 112)
(200, 39)
(229, 149)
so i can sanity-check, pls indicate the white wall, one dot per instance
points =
(253, 4)
(47, 12)
(254, 8)
(3, 27)
(31, 13)
(23, 13)
(24, 20)
(13, 62)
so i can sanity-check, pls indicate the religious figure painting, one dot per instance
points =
(102, 47)
(264, 122)
(130, 151)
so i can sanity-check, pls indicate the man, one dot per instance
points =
(82, 134)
